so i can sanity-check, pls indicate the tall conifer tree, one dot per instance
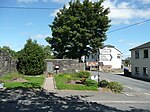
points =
(31, 59)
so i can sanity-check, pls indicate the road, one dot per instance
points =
(136, 92)
(131, 85)
(135, 98)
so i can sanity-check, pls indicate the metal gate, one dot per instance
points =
(50, 67)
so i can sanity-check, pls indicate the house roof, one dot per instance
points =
(145, 45)
(111, 46)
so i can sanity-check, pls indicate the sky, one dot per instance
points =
(18, 25)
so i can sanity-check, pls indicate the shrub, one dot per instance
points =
(60, 75)
(83, 74)
(2, 81)
(68, 77)
(90, 82)
(103, 83)
(31, 59)
(115, 87)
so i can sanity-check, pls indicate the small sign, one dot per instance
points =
(56, 67)
(106, 57)
(106, 51)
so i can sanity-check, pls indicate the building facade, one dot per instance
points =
(108, 57)
(140, 61)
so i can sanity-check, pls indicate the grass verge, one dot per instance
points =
(32, 81)
(61, 84)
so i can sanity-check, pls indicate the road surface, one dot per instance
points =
(130, 84)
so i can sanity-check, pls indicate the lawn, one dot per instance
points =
(29, 81)
(61, 84)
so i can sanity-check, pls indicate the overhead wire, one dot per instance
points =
(121, 28)
(53, 8)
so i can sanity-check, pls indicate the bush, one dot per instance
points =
(90, 82)
(83, 74)
(60, 75)
(115, 87)
(103, 83)
(31, 59)
(68, 77)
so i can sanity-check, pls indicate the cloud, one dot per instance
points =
(27, 1)
(31, 1)
(124, 12)
(120, 12)
(132, 44)
(61, 1)
(145, 1)
(53, 14)
(121, 40)
(29, 24)
(38, 36)
(127, 42)
(126, 55)
(57, 10)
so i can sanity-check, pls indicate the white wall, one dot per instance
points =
(114, 62)
(105, 55)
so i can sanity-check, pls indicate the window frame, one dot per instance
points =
(145, 71)
(137, 70)
(145, 53)
(118, 56)
(137, 54)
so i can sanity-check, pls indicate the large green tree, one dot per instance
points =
(31, 59)
(79, 29)
(48, 52)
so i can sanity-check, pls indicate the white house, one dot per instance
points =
(108, 57)
(140, 61)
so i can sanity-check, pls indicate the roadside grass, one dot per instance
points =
(61, 84)
(11, 76)
(31, 81)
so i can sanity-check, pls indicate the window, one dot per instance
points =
(136, 70)
(145, 71)
(92, 56)
(146, 53)
(137, 54)
(118, 56)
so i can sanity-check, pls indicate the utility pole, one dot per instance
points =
(98, 60)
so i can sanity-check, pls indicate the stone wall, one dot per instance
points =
(7, 64)
(65, 65)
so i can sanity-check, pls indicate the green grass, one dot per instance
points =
(32, 81)
(61, 84)
(11, 76)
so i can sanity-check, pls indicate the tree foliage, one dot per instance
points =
(79, 29)
(31, 59)
(127, 61)
(48, 52)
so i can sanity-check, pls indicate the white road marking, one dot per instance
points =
(124, 102)
(129, 87)
(147, 93)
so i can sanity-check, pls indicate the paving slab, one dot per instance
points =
(49, 84)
